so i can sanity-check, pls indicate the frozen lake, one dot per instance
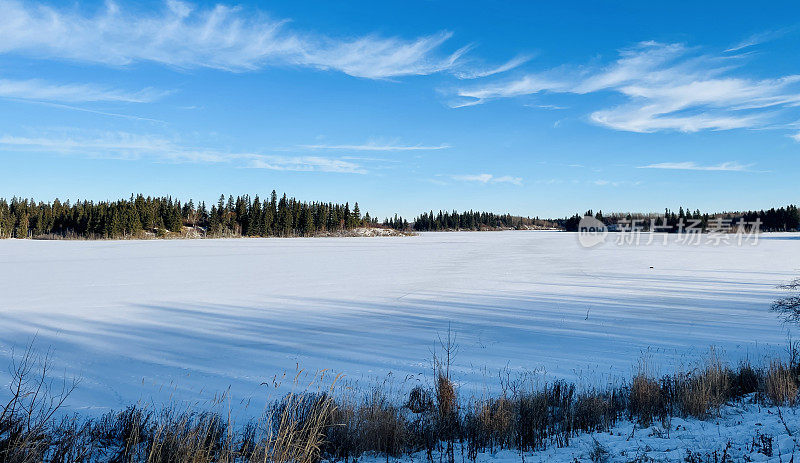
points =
(146, 320)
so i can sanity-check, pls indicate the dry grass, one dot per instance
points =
(490, 423)
(376, 424)
(381, 425)
(298, 429)
(307, 426)
(780, 384)
(596, 411)
(446, 398)
(645, 401)
(703, 393)
(293, 430)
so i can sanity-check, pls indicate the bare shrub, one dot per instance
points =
(424, 418)
(34, 399)
(789, 307)
(745, 380)
(448, 419)
(419, 400)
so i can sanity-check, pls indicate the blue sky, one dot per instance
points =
(540, 109)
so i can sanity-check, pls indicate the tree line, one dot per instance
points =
(284, 216)
(142, 216)
(780, 219)
(473, 220)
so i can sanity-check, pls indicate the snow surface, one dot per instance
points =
(742, 432)
(185, 319)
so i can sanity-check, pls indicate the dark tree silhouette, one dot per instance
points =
(142, 216)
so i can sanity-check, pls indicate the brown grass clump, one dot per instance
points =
(446, 399)
(498, 416)
(645, 401)
(594, 411)
(704, 392)
(299, 429)
(186, 438)
(448, 419)
(383, 428)
(780, 384)
(490, 423)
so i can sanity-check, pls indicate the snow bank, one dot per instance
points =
(744, 432)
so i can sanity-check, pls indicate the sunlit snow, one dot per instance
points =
(150, 320)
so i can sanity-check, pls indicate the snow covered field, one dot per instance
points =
(150, 320)
(743, 432)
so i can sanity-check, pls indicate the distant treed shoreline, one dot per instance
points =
(161, 217)
(772, 220)
(244, 216)
(470, 220)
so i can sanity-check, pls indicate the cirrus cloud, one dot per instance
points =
(377, 147)
(662, 87)
(487, 178)
(230, 38)
(732, 166)
(40, 90)
(124, 145)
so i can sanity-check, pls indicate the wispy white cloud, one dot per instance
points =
(550, 181)
(759, 38)
(106, 144)
(36, 89)
(487, 178)
(371, 159)
(615, 183)
(546, 106)
(486, 72)
(378, 58)
(223, 37)
(376, 147)
(95, 111)
(123, 145)
(664, 87)
(304, 164)
(795, 137)
(632, 118)
(526, 85)
(602, 182)
(732, 166)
